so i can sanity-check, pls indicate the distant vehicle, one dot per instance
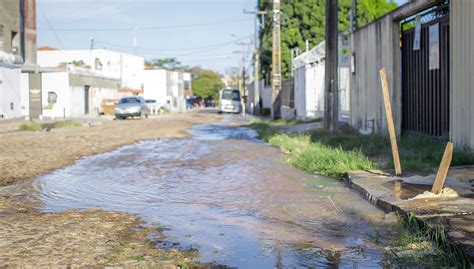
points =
(107, 106)
(154, 106)
(131, 107)
(229, 101)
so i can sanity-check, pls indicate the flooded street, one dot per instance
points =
(226, 194)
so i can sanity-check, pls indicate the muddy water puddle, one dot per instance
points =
(227, 195)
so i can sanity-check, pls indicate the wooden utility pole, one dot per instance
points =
(256, 67)
(443, 168)
(276, 57)
(331, 93)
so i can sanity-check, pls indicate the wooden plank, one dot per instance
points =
(391, 125)
(443, 168)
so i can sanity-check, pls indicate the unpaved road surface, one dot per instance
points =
(29, 154)
(30, 237)
(218, 190)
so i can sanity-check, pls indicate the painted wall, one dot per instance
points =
(56, 83)
(461, 75)
(110, 64)
(25, 94)
(155, 85)
(10, 97)
(375, 46)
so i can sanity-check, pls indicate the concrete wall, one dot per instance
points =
(10, 100)
(70, 92)
(461, 73)
(9, 21)
(155, 85)
(110, 64)
(58, 83)
(25, 94)
(375, 46)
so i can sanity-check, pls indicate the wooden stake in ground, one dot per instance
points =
(391, 125)
(443, 169)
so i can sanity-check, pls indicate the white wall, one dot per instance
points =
(155, 85)
(309, 91)
(25, 94)
(57, 82)
(129, 68)
(10, 92)
(99, 94)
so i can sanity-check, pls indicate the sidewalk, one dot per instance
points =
(394, 193)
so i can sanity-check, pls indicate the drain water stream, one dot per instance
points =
(228, 195)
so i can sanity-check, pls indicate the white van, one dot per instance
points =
(229, 101)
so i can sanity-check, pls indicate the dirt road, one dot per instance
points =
(29, 154)
(31, 238)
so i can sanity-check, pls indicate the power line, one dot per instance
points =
(50, 27)
(145, 28)
(191, 50)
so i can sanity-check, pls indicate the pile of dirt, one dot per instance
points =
(444, 193)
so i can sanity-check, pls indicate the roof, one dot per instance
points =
(46, 48)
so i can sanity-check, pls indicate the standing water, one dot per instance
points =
(227, 195)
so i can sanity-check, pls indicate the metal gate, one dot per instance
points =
(425, 90)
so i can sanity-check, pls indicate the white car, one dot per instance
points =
(229, 101)
(154, 106)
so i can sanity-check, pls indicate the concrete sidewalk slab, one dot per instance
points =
(393, 193)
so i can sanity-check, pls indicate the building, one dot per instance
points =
(309, 79)
(126, 68)
(17, 49)
(426, 48)
(74, 92)
(171, 88)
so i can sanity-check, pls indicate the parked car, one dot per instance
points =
(229, 101)
(155, 107)
(131, 107)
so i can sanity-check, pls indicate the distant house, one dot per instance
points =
(171, 88)
(126, 68)
(73, 93)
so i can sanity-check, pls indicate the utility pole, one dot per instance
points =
(331, 93)
(276, 57)
(256, 67)
(241, 73)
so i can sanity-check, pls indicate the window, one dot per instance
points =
(129, 100)
(98, 64)
(52, 98)
(12, 107)
(187, 85)
(231, 95)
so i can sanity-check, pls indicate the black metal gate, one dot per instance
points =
(425, 92)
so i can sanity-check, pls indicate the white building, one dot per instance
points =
(309, 75)
(126, 68)
(171, 88)
(67, 93)
(10, 96)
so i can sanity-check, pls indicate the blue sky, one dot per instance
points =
(197, 32)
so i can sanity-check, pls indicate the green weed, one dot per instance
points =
(30, 126)
(67, 124)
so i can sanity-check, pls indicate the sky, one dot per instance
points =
(196, 32)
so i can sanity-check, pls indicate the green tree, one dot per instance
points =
(166, 63)
(206, 83)
(305, 20)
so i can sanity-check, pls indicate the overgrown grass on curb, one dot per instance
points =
(314, 157)
(416, 153)
(415, 238)
(34, 126)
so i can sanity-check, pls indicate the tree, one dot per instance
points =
(305, 20)
(206, 83)
(165, 63)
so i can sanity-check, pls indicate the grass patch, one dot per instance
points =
(67, 124)
(348, 149)
(30, 126)
(34, 126)
(426, 244)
